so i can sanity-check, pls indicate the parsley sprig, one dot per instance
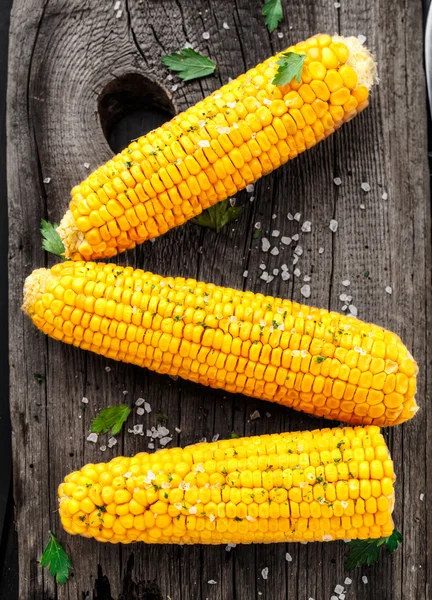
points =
(110, 418)
(290, 67)
(55, 559)
(273, 14)
(368, 552)
(51, 241)
(188, 64)
(218, 216)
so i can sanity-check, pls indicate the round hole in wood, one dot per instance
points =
(130, 106)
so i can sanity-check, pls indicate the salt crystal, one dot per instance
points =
(305, 291)
(210, 581)
(361, 38)
(147, 407)
(119, 14)
(346, 282)
(389, 290)
(255, 415)
(252, 198)
(333, 598)
(140, 411)
(306, 227)
(199, 467)
(364, 579)
(165, 440)
(297, 216)
(102, 448)
(321, 250)
(343, 298)
(262, 267)
(117, 5)
(228, 548)
(337, 181)
(422, 497)
(286, 240)
(274, 216)
(232, 201)
(268, 415)
(212, 518)
(280, 34)
(257, 225)
(306, 278)
(177, 429)
(151, 446)
(215, 437)
(284, 268)
(204, 143)
(269, 279)
(107, 369)
(112, 442)
(47, 179)
(339, 589)
(162, 431)
(264, 573)
(365, 187)
(86, 165)
(285, 275)
(275, 233)
(170, 77)
(275, 271)
(274, 251)
(138, 429)
(342, 596)
(362, 207)
(348, 581)
(295, 237)
(267, 101)
(93, 437)
(384, 196)
(225, 25)
(298, 250)
(288, 557)
(337, 4)
(125, 392)
(264, 276)
(297, 272)
(295, 259)
(353, 310)
(249, 518)
(245, 273)
(174, 88)
(265, 245)
(222, 130)
(206, 35)
(333, 225)
(327, 538)
(250, 188)
(139, 401)
(84, 400)
(290, 217)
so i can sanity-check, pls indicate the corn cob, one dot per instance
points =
(320, 485)
(214, 149)
(316, 361)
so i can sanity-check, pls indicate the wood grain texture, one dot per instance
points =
(62, 56)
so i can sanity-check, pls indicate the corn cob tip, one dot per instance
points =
(361, 60)
(34, 287)
(70, 235)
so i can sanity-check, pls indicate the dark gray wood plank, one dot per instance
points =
(63, 55)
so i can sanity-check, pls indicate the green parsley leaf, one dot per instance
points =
(234, 435)
(51, 241)
(218, 216)
(368, 552)
(290, 66)
(188, 64)
(273, 14)
(56, 560)
(111, 418)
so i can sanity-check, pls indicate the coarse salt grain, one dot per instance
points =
(389, 290)
(229, 546)
(255, 415)
(364, 579)
(346, 282)
(112, 442)
(211, 581)
(138, 429)
(295, 259)
(117, 5)
(102, 448)
(274, 251)
(353, 310)
(245, 273)
(250, 188)
(262, 267)
(422, 497)
(365, 186)
(265, 245)
(84, 400)
(297, 216)
(274, 216)
(348, 581)
(333, 225)
(268, 415)
(361, 38)
(177, 429)
(337, 181)
(339, 589)
(306, 278)
(206, 35)
(286, 240)
(295, 237)
(321, 250)
(107, 369)
(86, 165)
(306, 227)
(297, 272)
(204, 144)
(305, 291)
(225, 25)
(275, 271)
(288, 557)
(47, 179)
(275, 233)
(264, 573)
(215, 437)
(139, 401)
(298, 250)
(119, 14)
(285, 275)
(280, 34)
(327, 538)
(290, 217)
(165, 440)
(384, 196)
(93, 437)
(147, 407)
(337, 5)
(174, 88)
(140, 411)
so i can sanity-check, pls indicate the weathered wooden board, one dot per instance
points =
(62, 56)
